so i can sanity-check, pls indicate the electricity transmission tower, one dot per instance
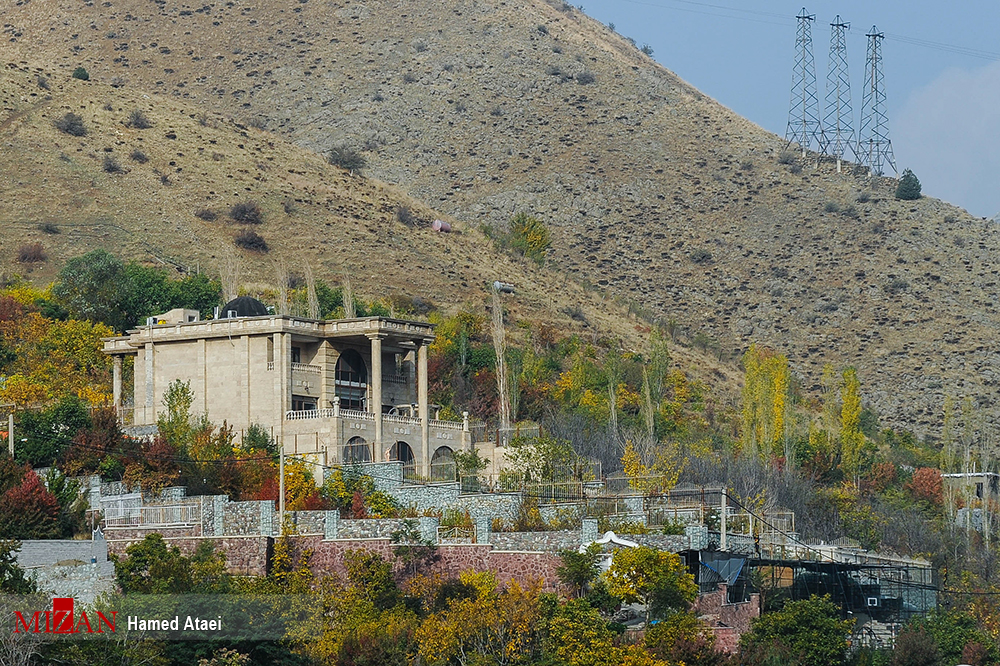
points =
(838, 123)
(874, 146)
(803, 116)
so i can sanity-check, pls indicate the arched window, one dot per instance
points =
(402, 452)
(356, 451)
(443, 464)
(351, 380)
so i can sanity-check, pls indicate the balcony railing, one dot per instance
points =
(366, 416)
(394, 378)
(179, 515)
(305, 367)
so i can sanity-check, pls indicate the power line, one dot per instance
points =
(753, 14)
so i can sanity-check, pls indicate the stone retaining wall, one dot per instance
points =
(245, 556)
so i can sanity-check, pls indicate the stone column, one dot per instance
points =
(149, 413)
(282, 383)
(375, 403)
(425, 435)
(589, 531)
(484, 530)
(117, 385)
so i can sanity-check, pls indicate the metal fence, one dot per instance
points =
(176, 515)
(454, 535)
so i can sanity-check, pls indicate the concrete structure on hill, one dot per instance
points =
(340, 391)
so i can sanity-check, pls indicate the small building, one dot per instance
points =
(342, 391)
(981, 485)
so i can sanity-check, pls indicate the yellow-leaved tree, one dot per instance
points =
(766, 405)
(852, 440)
(55, 358)
(653, 577)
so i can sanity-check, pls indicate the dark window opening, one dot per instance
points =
(356, 451)
(303, 403)
(351, 380)
(296, 354)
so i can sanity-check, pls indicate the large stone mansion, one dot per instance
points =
(346, 390)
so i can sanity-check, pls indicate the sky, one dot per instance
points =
(941, 62)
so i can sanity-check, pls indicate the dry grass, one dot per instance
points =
(631, 172)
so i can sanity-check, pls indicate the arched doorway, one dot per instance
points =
(443, 464)
(351, 380)
(356, 451)
(402, 452)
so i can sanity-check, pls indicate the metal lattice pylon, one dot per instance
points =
(838, 123)
(874, 147)
(804, 126)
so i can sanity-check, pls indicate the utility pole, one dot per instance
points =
(838, 123)
(874, 146)
(10, 434)
(804, 125)
(723, 542)
(281, 487)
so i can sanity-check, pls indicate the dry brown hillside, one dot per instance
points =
(654, 192)
(56, 190)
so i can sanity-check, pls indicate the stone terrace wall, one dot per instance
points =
(544, 542)
(304, 522)
(247, 556)
(139, 533)
(525, 568)
(249, 518)
(370, 528)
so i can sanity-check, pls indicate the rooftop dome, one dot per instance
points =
(244, 306)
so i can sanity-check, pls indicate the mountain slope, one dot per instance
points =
(654, 192)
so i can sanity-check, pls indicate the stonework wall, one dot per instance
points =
(306, 522)
(82, 580)
(547, 542)
(68, 568)
(525, 568)
(248, 518)
(728, 621)
(246, 556)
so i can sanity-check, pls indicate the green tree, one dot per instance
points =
(411, 549)
(93, 287)
(909, 187)
(50, 431)
(808, 632)
(656, 578)
(951, 632)
(100, 287)
(579, 569)
(683, 638)
(152, 567)
(915, 647)
(174, 423)
(72, 505)
(12, 577)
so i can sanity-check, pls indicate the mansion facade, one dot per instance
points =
(338, 391)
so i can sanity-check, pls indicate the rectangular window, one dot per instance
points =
(296, 354)
(303, 403)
